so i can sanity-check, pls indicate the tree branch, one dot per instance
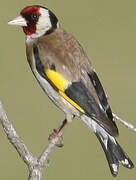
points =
(125, 123)
(35, 165)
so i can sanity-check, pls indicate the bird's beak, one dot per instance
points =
(18, 21)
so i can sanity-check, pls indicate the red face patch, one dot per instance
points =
(30, 10)
(31, 15)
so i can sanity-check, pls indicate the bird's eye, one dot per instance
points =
(35, 17)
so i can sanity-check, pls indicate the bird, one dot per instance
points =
(67, 76)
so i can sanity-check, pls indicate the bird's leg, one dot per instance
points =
(58, 133)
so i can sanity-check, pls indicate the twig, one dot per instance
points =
(35, 165)
(127, 124)
(14, 138)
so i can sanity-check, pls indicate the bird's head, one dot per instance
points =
(36, 21)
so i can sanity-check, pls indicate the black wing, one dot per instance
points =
(101, 94)
(79, 93)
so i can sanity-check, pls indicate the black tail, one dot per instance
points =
(114, 153)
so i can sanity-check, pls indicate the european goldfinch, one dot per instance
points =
(66, 75)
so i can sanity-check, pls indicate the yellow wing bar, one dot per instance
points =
(61, 83)
(71, 102)
(58, 80)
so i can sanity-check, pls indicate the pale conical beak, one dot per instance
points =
(18, 21)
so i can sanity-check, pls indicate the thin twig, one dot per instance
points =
(14, 138)
(35, 164)
(127, 124)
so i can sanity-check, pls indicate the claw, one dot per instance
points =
(55, 134)
(58, 133)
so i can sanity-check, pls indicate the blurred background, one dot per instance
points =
(107, 31)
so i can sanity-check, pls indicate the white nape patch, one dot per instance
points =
(115, 167)
(125, 162)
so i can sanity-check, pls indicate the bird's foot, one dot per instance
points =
(53, 135)
(58, 133)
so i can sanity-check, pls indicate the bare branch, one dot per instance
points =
(127, 124)
(14, 138)
(35, 164)
(43, 158)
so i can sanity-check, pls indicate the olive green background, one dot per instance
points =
(107, 31)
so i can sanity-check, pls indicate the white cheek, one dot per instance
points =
(43, 25)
